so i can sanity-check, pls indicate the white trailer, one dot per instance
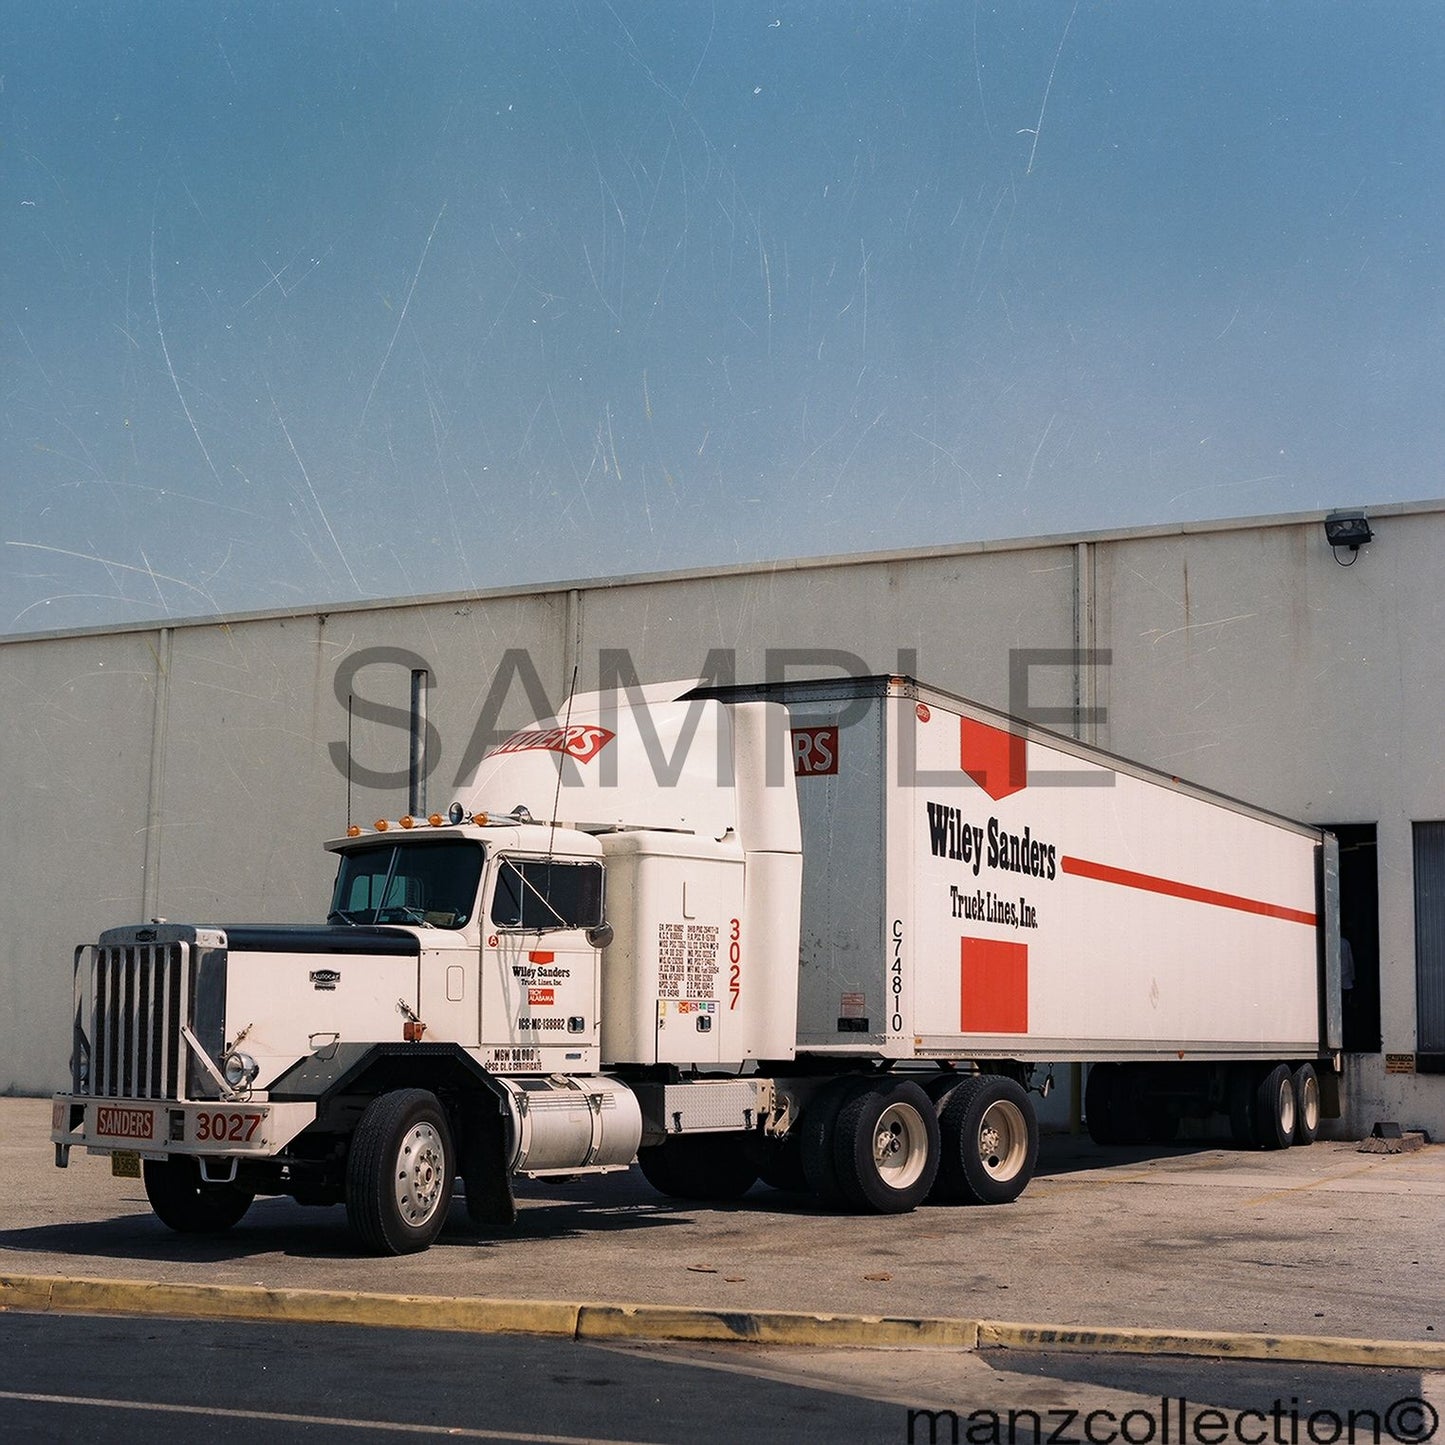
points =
(825, 933)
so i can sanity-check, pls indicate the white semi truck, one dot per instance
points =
(830, 934)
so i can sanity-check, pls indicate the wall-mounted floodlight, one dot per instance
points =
(1347, 529)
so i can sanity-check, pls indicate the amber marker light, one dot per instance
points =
(381, 825)
(408, 821)
(354, 831)
(435, 819)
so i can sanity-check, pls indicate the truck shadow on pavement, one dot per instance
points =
(282, 1227)
(551, 1210)
(1068, 1154)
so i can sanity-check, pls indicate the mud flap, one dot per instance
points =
(482, 1135)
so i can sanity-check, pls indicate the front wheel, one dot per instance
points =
(990, 1141)
(189, 1204)
(399, 1173)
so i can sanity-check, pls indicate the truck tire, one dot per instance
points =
(185, 1202)
(886, 1147)
(1099, 1112)
(1306, 1104)
(699, 1166)
(1274, 1109)
(817, 1129)
(940, 1085)
(399, 1172)
(990, 1141)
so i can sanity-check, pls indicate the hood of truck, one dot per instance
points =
(321, 938)
(271, 938)
(291, 991)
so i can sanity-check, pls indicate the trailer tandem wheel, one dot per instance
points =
(886, 1147)
(185, 1202)
(1306, 1103)
(1274, 1109)
(990, 1141)
(399, 1172)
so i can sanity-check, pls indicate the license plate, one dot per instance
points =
(125, 1164)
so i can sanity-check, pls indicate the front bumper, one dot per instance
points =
(155, 1128)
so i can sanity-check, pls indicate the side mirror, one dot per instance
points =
(600, 935)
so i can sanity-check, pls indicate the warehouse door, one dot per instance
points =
(1360, 927)
(1430, 947)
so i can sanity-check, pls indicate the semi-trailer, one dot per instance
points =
(832, 934)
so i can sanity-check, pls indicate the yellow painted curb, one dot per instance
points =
(769, 1327)
(43, 1294)
(1226, 1344)
(24, 1292)
(299, 1306)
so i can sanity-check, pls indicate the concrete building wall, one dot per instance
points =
(1248, 661)
(76, 717)
(191, 770)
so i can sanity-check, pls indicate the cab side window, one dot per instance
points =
(540, 893)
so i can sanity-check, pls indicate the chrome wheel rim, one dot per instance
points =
(420, 1174)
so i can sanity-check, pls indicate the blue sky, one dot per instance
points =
(301, 304)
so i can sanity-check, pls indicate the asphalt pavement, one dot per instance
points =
(1323, 1243)
(72, 1377)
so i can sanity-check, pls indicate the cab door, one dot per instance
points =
(541, 973)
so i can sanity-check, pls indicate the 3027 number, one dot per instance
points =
(227, 1128)
(735, 963)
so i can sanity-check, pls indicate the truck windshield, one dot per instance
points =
(434, 884)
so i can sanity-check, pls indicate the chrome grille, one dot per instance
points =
(139, 996)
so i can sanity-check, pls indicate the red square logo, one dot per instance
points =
(995, 987)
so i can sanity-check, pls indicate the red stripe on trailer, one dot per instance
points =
(994, 978)
(1172, 888)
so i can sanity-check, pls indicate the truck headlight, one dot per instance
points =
(239, 1069)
